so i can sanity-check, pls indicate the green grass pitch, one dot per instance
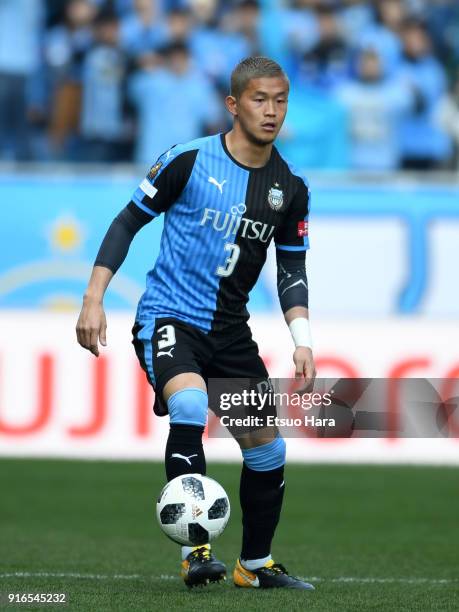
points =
(370, 538)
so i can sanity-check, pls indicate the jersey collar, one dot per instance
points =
(249, 168)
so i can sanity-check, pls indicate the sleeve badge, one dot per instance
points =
(154, 170)
(303, 229)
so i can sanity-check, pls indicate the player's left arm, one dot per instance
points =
(292, 286)
(292, 242)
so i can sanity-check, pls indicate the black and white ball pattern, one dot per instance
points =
(193, 509)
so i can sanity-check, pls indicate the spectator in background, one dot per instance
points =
(425, 145)
(217, 49)
(376, 104)
(205, 12)
(384, 35)
(66, 46)
(174, 103)
(442, 16)
(20, 28)
(448, 118)
(314, 134)
(143, 31)
(214, 47)
(356, 16)
(103, 126)
(288, 33)
(327, 63)
(123, 7)
(179, 23)
(244, 17)
(75, 83)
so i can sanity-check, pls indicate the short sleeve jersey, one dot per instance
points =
(220, 217)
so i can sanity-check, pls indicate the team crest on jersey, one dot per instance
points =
(154, 170)
(275, 197)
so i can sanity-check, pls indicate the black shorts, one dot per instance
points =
(166, 347)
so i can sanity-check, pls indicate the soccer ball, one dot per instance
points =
(193, 509)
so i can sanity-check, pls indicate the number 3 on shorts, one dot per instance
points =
(231, 261)
(167, 337)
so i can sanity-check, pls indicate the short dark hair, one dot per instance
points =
(106, 16)
(175, 46)
(255, 67)
(415, 23)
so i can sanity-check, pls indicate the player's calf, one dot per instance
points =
(261, 495)
(185, 455)
(188, 416)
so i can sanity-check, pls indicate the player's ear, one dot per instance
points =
(231, 105)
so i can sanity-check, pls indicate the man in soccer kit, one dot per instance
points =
(225, 197)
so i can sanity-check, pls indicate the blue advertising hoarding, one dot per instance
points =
(52, 226)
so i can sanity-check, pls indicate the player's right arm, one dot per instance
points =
(155, 194)
(92, 323)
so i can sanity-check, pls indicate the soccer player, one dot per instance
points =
(225, 197)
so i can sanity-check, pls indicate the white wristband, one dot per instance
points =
(301, 332)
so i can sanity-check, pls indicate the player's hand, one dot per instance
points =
(92, 326)
(304, 367)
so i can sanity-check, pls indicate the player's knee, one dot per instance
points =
(266, 457)
(188, 407)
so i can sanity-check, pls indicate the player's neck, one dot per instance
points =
(246, 152)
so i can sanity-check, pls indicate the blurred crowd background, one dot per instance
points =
(374, 84)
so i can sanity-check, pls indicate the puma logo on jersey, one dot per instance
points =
(179, 456)
(168, 353)
(214, 181)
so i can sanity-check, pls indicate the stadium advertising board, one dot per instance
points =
(56, 400)
(375, 250)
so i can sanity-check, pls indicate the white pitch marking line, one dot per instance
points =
(86, 576)
(355, 579)
(384, 580)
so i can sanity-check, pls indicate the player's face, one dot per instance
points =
(262, 107)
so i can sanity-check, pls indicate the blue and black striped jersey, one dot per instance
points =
(220, 217)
